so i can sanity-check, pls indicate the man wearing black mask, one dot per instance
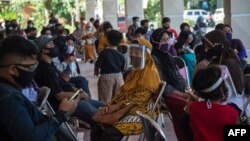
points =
(48, 75)
(20, 120)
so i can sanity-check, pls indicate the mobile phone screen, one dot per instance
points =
(75, 95)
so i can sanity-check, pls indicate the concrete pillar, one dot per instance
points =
(238, 16)
(133, 8)
(90, 9)
(173, 10)
(110, 12)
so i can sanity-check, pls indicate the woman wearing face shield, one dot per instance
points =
(140, 87)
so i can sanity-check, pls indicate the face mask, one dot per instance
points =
(229, 36)
(25, 77)
(70, 49)
(30, 25)
(53, 52)
(164, 47)
(137, 62)
(138, 24)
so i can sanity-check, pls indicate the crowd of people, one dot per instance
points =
(130, 70)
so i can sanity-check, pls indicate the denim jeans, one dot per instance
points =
(86, 109)
(80, 82)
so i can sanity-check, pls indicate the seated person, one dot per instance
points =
(209, 116)
(140, 86)
(169, 72)
(20, 120)
(185, 51)
(47, 75)
(64, 69)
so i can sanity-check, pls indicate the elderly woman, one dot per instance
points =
(174, 97)
(140, 87)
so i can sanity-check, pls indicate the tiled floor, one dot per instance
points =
(87, 70)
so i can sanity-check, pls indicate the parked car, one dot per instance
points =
(219, 15)
(193, 14)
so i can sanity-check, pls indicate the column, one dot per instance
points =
(237, 13)
(173, 10)
(133, 8)
(90, 9)
(110, 12)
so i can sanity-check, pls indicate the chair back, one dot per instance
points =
(162, 87)
(182, 68)
(151, 129)
(42, 97)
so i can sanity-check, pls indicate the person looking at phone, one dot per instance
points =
(20, 120)
(47, 75)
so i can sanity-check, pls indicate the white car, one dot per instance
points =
(193, 14)
(219, 15)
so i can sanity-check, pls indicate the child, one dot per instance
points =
(208, 117)
(110, 64)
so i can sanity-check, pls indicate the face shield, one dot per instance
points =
(230, 90)
(137, 56)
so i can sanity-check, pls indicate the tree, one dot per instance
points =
(152, 13)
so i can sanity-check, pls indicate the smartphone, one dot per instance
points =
(75, 95)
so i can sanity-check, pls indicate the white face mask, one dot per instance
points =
(137, 24)
(70, 49)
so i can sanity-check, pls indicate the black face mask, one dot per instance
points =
(53, 52)
(25, 77)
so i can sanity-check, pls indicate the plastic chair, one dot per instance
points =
(182, 68)
(152, 131)
(44, 106)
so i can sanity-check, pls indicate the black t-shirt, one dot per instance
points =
(110, 61)
(47, 75)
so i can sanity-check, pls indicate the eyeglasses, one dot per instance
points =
(27, 67)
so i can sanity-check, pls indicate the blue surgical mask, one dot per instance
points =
(229, 36)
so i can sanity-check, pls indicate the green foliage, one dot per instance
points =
(152, 13)
(61, 8)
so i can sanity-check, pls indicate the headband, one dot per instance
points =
(214, 86)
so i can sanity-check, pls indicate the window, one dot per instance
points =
(197, 13)
(190, 13)
(204, 13)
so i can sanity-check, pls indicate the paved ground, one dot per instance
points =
(87, 70)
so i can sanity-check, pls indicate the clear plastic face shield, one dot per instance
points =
(137, 56)
(229, 85)
(231, 90)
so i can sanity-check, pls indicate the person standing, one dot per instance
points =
(111, 63)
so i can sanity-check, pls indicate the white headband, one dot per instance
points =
(214, 86)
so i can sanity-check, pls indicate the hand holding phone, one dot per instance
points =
(75, 95)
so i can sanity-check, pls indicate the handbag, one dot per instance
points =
(110, 115)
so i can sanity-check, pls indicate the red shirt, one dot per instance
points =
(208, 124)
(174, 32)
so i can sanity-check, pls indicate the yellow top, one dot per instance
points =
(103, 43)
(145, 42)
